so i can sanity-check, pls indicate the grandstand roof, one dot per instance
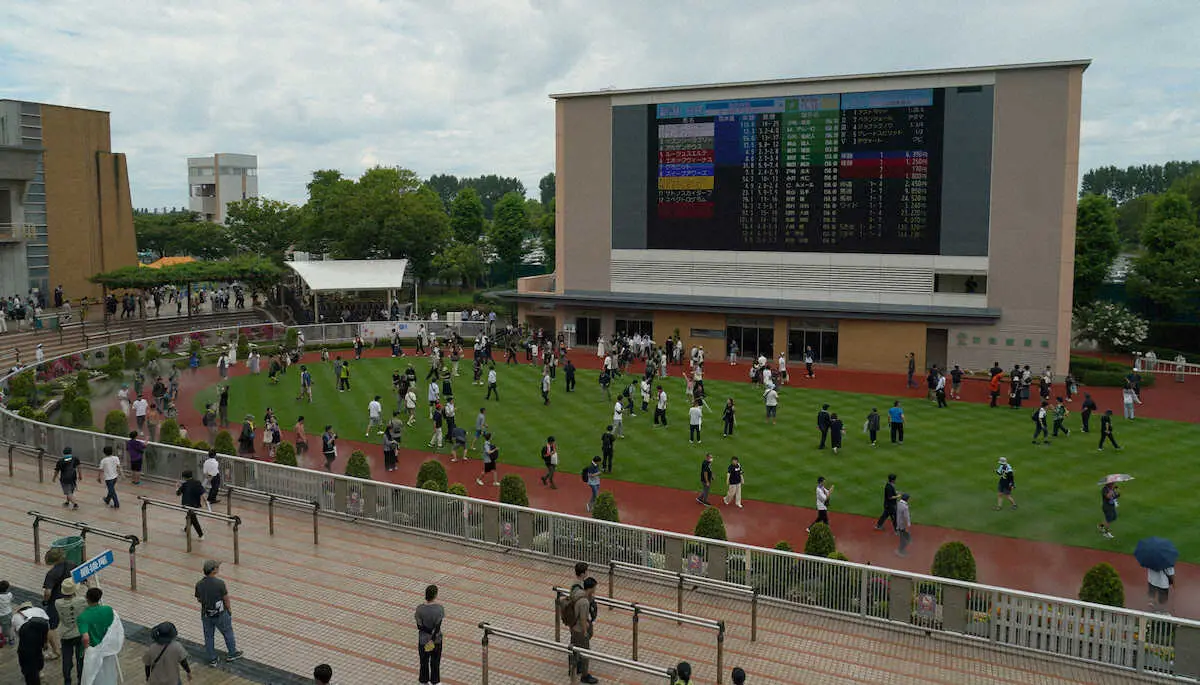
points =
(352, 274)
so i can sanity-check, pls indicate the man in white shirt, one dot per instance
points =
(660, 408)
(110, 472)
(783, 375)
(39, 353)
(432, 395)
(1160, 582)
(645, 394)
(492, 384)
(766, 377)
(823, 492)
(374, 415)
(210, 472)
(546, 388)
(695, 418)
(410, 405)
(771, 398)
(140, 407)
(618, 420)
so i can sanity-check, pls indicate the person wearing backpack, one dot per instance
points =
(575, 613)
(591, 476)
(550, 459)
(1039, 424)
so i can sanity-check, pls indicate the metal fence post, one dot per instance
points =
(37, 542)
(271, 515)
(41, 452)
(316, 518)
(187, 530)
(637, 611)
(557, 619)
(484, 675)
(10, 459)
(133, 565)
(145, 526)
(754, 617)
(229, 502)
(612, 571)
(237, 557)
(721, 653)
(679, 596)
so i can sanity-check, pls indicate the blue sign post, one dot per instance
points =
(92, 566)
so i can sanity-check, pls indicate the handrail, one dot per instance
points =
(190, 512)
(84, 529)
(39, 452)
(571, 651)
(680, 579)
(271, 499)
(639, 610)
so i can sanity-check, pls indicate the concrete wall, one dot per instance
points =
(89, 214)
(583, 202)
(879, 345)
(666, 322)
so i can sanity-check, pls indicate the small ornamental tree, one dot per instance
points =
(457, 489)
(784, 546)
(223, 443)
(83, 387)
(168, 432)
(291, 339)
(133, 356)
(195, 346)
(1102, 585)
(433, 470)
(820, 542)
(116, 362)
(358, 466)
(432, 485)
(285, 454)
(605, 508)
(512, 490)
(152, 354)
(243, 346)
(1112, 326)
(203, 446)
(81, 413)
(954, 560)
(711, 525)
(116, 423)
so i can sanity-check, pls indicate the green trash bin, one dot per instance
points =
(72, 546)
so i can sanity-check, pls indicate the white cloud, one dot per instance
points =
(460, 87)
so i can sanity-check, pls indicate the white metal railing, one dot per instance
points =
(384, 330)
(1110, 636)
(1177, 367)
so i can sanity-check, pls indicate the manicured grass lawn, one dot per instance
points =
(947, 461)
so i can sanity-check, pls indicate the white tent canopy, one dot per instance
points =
(352, 274)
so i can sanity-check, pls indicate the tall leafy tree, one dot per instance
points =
(205, 240)
(160, 233)
(546, 189)
(1122, 185)
(446, 186)
(466, 217)
(1167, 272)
(1096, 245)
(419, 231)
(491, 188)
(546, 231)
(508, 231)
(263, 226)
(1131, 216)
(328, 210)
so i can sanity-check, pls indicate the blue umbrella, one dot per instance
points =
(1156, 554)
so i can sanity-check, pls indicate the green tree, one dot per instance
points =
(262, 226)
(433, 470)
(1167, 272)
(820, 542)
(460, 263)
(1096, 245)
(162, 233)
(446, 186)
(508, 231)
(492, 189)
(116, 423)
(954, 560)
(1189, 187)
(1102, 585)
(1122, 185)
(357, 465)
(285, 454)
(204, 240)
(1131, 216)
(422, 230)
(1110, 325)
(223, 443)
(710, 525)
(546, 188)
(327, 211)
(466, 217)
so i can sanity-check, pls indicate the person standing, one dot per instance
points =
(1109, 496)
(695, 419)
(956, 377)
(809, 360)
(903, 524)
(896, 423)
(872, 425)
(939, 389)
(410, 405)
(660, 408)
(994, 386)
(140, 408)
(592, 475)
(618, 418)
(734, 479)
(550, 459)
(301, 439)
(165, 657)
(69, 607)
(569, 375)
(1128, 400)
(728, 418)
(823, 425)
(436, 437)
(222, 405)
(33, 636)
(135, 448)
(1008, 482)
(582, 627)
(432, 394)
(491, 454)
(607, 442)
(1085, 413)
(1159, 582)
(837, 429)
(103, 637)
(110, 472)
(66, 472)
(706, 479)
(429, 617)
(546, 388)
(823, 493)
(390, 445)
(1039, 424)
(329, 447)
(1106, 430)
(783, 373)
(771, 400)
(374, 416)
(912, 369)
(491, 377)
(215, 613)
(889, 503)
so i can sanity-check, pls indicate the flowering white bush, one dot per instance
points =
(1111, 325)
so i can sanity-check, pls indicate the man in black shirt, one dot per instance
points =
(191, 492)
(33, 637)
(607, 439)
(569, 375)
(706, 478)
(889, 503)
(823, 424)
(66, 472)
(1106, 430)
(1089, 406)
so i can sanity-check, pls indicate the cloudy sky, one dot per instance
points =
(460, 87)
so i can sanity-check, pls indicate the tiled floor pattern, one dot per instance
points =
(349, 602)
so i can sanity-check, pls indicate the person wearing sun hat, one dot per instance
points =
(165, 656)
(69, 607)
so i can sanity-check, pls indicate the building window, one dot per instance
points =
(819, 334)
(634, 325)
(969, 284)
(587, 330)
(204, 190)
(252, 172)
(755, 337)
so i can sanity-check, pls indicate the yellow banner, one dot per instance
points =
(685, 183)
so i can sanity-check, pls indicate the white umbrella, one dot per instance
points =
(1115, 478)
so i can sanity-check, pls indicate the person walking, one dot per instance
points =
(896, 423)
(1159, 582)
(956, 378)
(1109, 496)
(734, 479)
(141, 407)
(871, 425)
(32, 628)
(1106, 430)
(695, 419)
(329, 447)
(491, 454)
(110, 471)
(491, 379)
(1060, 415)
(374, 416)
(581, 626)
(103, 638)
(191, 494)
(660, 407)
(69, 607)
(889, 503)
(607, 442)
(809, 360)
(1085, 413)
(550, 459)
(706, 479)
(823, 425)
(836, 429)
(222, 405)
(591, 474)
(165, 656)
(1129, 398)
(215, 613)
(546, 388)
(823, 493)
(429, 617)
(1039, 424)
(912, 369)
(771, 400)
(480, 426)
(903, 524)
(66, 472)
(618, 418)
(939, 389)
(1008, 482)
(210, 472)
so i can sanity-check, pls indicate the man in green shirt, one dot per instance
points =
(95, 620)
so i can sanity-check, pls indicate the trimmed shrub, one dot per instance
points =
(116, 423)
(358, 466)
(83, 386)
(133, 356)
(512, 491)
(116, 362)
(433, 470)
(182, 442)
(838, 556)
(68, 396)
(152, 354)
(954, 560)
(81, 413)
(457, 489)
(195, 347)
(1113, 379)
(285, 454)
(710, 525)
(223, 443)
(27, 412)
(432, 485)
(784, 546)
(243, 346)
(605, 508)
(168, 432)
(202, 445)
(1102, 585)
(820, 542)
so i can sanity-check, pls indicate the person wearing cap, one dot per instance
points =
(683, 673)
(214, 613)
(165, 656)
(1007, 483)
(66, 472)
(903, 523)
(738, 676)
(69, 607)
(581, 630)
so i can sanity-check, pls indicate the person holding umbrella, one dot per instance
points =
(1157, 556)
(1109, 495)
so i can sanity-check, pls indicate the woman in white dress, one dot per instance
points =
(600, 347)
(123, 398)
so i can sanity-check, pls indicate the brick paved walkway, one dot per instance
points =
(349, 602)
